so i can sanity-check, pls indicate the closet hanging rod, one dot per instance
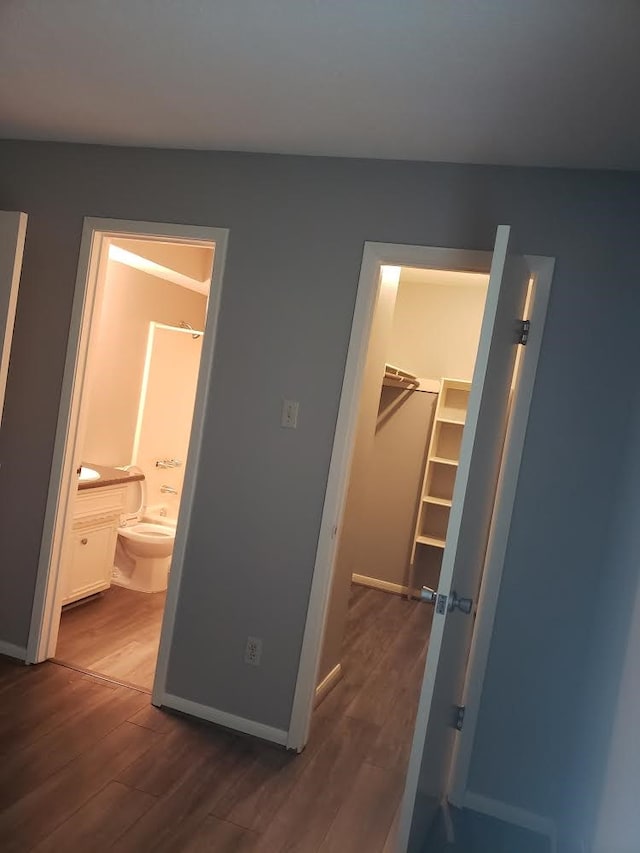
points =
(401, 376)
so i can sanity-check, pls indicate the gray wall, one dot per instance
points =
(297, 232)
(601, 806)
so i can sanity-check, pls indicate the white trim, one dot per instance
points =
(542, 272)
(193, 462)
(309, 664)
(328, 683)
(96, 235)
(12, 651)
(45, 620)
(222, 718)
(375, 255)
(515, 815)
(16, 225)
(385, 586)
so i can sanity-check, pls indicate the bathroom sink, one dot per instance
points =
(88, 474)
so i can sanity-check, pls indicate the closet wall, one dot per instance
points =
(392, 487)
(429, 324)
(436, 322)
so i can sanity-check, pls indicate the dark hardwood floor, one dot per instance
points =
(89, 765)
(115, 635)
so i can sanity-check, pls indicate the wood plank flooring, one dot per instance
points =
(115, 635)
(89, 765)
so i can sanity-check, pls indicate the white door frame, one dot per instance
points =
(96, 236)
(374, 257)
(12, 236)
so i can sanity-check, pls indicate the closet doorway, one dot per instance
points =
(420, 485)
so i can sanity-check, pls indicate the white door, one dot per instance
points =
(467, 537)
(13, 227)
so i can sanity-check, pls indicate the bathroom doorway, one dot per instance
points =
(120, 496)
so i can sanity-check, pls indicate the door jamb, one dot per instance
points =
(375, 256)
(96, 234)
(16, 224)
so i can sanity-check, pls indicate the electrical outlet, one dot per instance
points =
(253, 651)
(289, 417)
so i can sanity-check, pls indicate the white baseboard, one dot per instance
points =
(328, 683)
(374, 583)
(513, 814)
(222, 718)
(12, 651)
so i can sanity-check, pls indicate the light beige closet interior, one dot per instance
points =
(425, 329)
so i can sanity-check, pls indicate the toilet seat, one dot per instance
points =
(145, 532)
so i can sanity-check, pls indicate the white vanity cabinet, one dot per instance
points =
(91, 543)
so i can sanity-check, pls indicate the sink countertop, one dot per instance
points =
(108, 477)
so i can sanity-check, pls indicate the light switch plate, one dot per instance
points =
(289, 414)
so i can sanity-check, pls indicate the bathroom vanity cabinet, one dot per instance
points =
(91, 543)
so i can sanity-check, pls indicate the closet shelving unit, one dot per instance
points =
(440, 471)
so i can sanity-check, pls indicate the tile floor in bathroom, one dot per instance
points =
(115, 635)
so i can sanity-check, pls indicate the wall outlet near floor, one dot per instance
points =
(253, 651)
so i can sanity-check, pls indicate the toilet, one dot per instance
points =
(144, 549)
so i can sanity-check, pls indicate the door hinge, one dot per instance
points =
(524, 327)
(458, 717)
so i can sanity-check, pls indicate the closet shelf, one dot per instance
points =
(398, 378)
(442, 460)
(431, 540)
(451, 418)
(432, 499)
(440, 472)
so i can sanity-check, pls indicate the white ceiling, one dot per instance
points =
(531, 82)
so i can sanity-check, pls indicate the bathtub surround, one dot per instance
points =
(297, 228)
(165, 414)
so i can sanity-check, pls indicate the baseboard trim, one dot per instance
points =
(328, 683)
(374, 583)
(12, 651)
(513, 814)
(222, 718)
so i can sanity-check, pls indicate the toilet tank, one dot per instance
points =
(135, 498)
